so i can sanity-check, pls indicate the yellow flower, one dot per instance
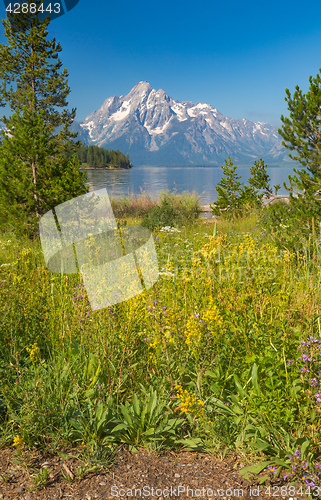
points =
(17, 441)
(212, 315)
(192, 332)
(190, 403)
(33, 352)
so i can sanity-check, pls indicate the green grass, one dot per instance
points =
(199, 361)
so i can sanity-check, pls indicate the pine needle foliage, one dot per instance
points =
(301, 133)
(38, 169)
(229, 190)
(234, 198)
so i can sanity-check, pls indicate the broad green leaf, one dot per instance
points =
(120, 427)
(305, 447)
(107, 439)
(126, 415)
(99, 410)
(255, 379)
(149, 432)
(216, 388)
(224, 408)
(136, 405)
(102, 420)
(142, 416)
(213, 374)
(264, 478)
(255, 469)
(152, 402)
(261, 445)
(191, 444)
(239, 387)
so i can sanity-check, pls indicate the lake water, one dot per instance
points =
(152, 180)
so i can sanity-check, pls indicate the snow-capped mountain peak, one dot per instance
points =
(154, 128)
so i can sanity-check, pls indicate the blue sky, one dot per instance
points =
(237, 56)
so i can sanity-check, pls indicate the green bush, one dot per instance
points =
(173, 211)
(288, 227)
(159, 217)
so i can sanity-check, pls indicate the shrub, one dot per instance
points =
(287, 226)
(131, 206)
(174, 210)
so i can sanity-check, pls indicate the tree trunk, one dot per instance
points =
(33, 164)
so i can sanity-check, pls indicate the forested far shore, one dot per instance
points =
(96, 157)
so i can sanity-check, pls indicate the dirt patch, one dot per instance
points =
(133, 475)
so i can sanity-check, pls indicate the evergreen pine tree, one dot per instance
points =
(96, 156)
(301, 133)
(90, 156)
(101, 161)
(25, 62)
(230, 191)
(260, 180)
(34, 176)
(32, 151)
(86, 154)
(81, 154)
(105, 155)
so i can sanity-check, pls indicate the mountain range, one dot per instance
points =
(155, 129)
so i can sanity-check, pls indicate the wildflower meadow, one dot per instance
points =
(222, 354)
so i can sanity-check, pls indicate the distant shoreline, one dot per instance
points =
(104, 168)
(179, 166)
